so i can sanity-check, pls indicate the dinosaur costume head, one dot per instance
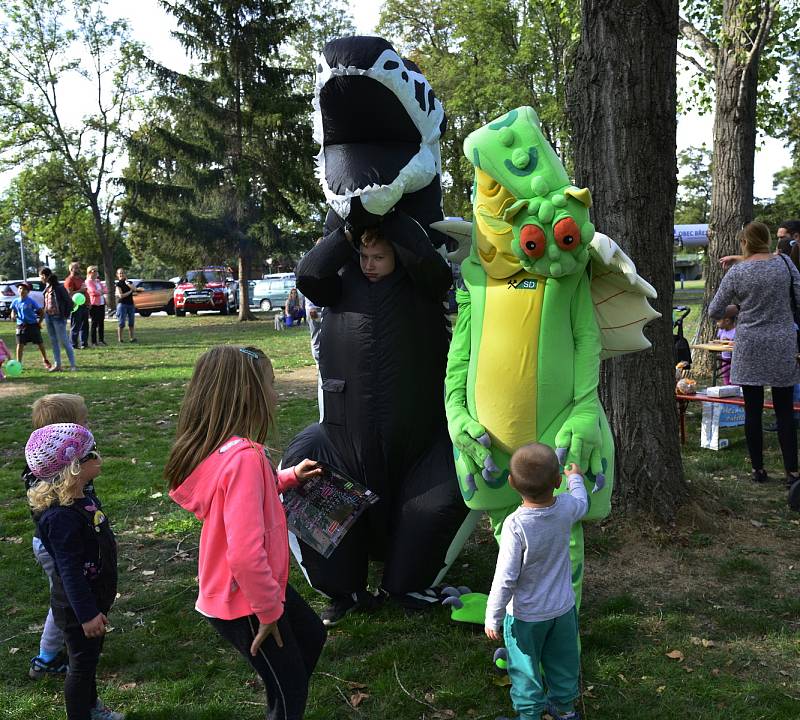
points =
(527, 214)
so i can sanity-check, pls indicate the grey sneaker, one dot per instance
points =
(794, 496)
(101, 712)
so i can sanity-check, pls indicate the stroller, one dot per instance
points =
(681, 349)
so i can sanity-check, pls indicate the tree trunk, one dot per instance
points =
(622, 100)
(245, 314)
(736, 83)
(106, 253)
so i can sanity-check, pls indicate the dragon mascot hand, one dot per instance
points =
(544, 299)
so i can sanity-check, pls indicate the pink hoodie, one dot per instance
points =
(244, 550)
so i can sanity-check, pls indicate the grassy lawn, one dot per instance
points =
(700, 620)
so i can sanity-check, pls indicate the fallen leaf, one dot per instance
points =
(715, 672)
(430, 697)
(443, 715)
(127, 686)
(13, 651)
(148, 572)
(688, 669)
(357, 698)
(660, 689)
(695, 640)
(756, 523)
(356, 685)
(156, 495)
(501, 680)
(675, 655)
(708, 643)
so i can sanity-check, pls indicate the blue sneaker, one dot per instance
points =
(39, 667)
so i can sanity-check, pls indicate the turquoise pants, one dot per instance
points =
(549, 646)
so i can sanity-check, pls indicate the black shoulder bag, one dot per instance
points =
(793, 301)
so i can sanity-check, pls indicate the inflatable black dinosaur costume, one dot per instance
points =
(383, 344)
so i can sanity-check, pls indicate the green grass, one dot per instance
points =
(729, 578)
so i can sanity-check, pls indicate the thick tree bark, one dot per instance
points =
(622, 102)
(245, 313)
(736, 89)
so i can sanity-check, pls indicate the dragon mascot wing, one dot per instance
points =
(620, 297)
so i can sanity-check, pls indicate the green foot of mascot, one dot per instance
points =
(544, 299)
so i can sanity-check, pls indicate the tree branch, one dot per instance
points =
(704, 71)
(758, 45)
(698, 38)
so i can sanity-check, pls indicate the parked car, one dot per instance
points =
(272, 290)
(209, 288)
(9, 291)
(155, 296)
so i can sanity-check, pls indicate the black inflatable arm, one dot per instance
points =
(318, 270)
(426, 268)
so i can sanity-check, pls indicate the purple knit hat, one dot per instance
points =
(52, 448)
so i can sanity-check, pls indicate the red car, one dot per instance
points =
(209, 288)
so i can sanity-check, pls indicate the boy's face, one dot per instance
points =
(23, 291)
(725, 324)
(377, 260)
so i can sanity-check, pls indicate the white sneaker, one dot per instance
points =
(101, 712)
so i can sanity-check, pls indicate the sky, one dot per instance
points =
(152, 25)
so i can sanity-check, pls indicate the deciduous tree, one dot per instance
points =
(737, 53)
(622, 102)
(47, 44)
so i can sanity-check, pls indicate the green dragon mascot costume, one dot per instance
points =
(544, 299)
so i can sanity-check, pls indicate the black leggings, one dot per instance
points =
(285, 671)
(80, 687)
(97, 314)
(784, 414)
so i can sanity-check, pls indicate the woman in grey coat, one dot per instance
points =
(765, 351)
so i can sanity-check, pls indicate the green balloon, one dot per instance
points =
(79, 299)
(13, 368)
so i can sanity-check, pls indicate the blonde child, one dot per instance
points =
(532, 597)
(78, 537)
(49, 409)
(219, 470)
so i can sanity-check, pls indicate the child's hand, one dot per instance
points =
(307, 469)
(264, 630)
(493, 634)
(572, 469)
(96, 627)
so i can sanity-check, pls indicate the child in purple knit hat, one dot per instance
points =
(78, 536)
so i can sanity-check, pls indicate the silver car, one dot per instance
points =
(272, 291)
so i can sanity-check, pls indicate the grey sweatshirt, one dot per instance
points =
(533, 577)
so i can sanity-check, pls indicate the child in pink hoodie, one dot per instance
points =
(219, 470)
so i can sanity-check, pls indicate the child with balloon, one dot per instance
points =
(28, 315)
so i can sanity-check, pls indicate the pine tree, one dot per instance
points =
(229, 152)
